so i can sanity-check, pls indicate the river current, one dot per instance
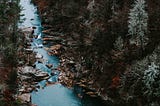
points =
(57, 94)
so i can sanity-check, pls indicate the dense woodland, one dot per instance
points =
(10, 40)
(108, 46)
(114, 43)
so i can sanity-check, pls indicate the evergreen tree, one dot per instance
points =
(151, 81)
(138, 21)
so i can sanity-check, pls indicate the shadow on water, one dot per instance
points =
(57, 94)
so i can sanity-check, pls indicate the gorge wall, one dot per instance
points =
(88, 32)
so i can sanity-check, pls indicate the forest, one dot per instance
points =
(106, 51)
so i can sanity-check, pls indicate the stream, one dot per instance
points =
(57, 94)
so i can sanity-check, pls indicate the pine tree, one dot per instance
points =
(138, 21)
(118, 45)
(151, 81)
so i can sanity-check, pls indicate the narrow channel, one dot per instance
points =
(57, 94)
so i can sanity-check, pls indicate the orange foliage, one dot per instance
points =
(41, 4)
(115, 82)
(8, 95)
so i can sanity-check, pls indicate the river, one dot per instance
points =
(57, 94)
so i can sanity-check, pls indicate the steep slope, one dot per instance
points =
(88, 32)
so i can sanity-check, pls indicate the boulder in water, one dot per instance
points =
(56, 47)
(39, 56)
(49, 65)
(28, 69)
(28, 74)
(25, 98)
(40, 46)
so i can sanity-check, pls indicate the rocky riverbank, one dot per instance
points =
(28, 75)
(91, 39)
(65, 44)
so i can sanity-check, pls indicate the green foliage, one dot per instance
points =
(9, 54)
(138, 18)
(12, 80)
(151, 81)
(16, 103)
(9, 16)
(10, 103)
(2, 103)
(118, 45)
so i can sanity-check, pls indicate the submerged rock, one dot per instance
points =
(49, 65)
(40, 46)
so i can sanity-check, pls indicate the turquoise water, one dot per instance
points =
(57, 94)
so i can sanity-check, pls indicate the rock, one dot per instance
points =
(54, 52)
(45, 42)
(27, 30)
(85, 72)
(56, 47)
(39, 56)
(29, 51)
(29, 74)
(22, 89)
(26, 89)
(80, 96)
(49, 65)
(46, 48)
(40, 60)
(25, 78)
(93, 95)
(90, 82)
(105, 97)
(34, 105)
(28, 69)
(71, 63)
(54, 72)
(90, 93)
(48, 39)
(83, 80)
(21, 63)
(40, 46)
(41, 74)
(47, 31)
(25, 97)
(28, 44)
(33, 27)
(82, 85)
(72, 43)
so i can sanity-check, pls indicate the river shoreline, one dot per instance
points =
(69, 64)
(30, 75)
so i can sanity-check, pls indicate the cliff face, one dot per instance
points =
(88, 31)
